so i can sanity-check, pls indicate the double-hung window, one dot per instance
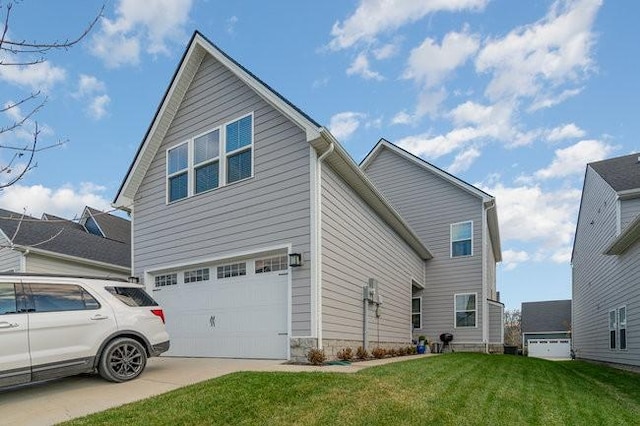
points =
(461, 239)
(613, 325)
(178, 172)
(416, 312)
(622, 327)
(466, 308)
(205, 158)
(221, 156)
(239, 139)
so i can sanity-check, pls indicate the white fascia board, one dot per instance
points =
(628, 194)
(626, 239)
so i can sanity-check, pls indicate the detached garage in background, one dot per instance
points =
(546, 329)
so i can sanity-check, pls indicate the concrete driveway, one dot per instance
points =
(55, 401)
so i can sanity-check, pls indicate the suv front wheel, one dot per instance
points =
(122, 359)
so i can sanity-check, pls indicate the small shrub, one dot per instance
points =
(361, 353)
(316, 356)
(378, 352)
(412, 350)
(393, 352)
(403, 351)
(345, 354)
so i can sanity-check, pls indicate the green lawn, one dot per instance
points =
(454, 389)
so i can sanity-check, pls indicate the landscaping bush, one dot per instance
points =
(378, 352)
(361, 353)
(345, 354)
(316, 356)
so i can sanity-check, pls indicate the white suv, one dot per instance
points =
(55, 326)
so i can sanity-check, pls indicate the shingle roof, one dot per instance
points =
(621, 173)
(65, 222)
(114, 227)
(552, 315)
(59, 237)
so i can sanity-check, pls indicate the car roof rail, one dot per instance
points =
(45, 275)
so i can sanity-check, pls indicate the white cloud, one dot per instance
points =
(93, 92)
(98, 106)
(403, 117)
(429, 64)
(535, 60)
(548, 100)
(464, 160)
(373, 17)
(42, 76)
(429, 146)
(386, 51)
(344, 124)
(528, 214)
(568, 131)
(88, 85)
(149, 26)
(231, 24)
(573, 160)
(511, 258)
(67, 201)
(360, 66)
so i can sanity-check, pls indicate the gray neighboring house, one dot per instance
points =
(606, 263)
(55, 245)
(549, 319)
(255, 229)
(459, 223)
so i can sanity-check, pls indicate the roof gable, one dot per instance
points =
(487, 199)
(198, 47)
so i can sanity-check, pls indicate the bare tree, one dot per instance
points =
(513, 327)
(24, 53)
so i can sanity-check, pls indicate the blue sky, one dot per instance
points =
(514, 97)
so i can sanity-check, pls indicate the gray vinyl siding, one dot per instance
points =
(629, 210)
(38, 264)
(490, 271)
(496, 314)
(430, 205)
(270, 209)
(10, 260)
(357, 245)
(602, 283)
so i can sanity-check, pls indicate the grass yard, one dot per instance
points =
(452, 389)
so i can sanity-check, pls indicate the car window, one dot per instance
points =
(132, 296)
(61, 297)
(8, 303)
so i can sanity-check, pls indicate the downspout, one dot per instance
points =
(318, 248)
(485, 310)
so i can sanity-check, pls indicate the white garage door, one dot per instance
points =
(550, 348)
(232, 312)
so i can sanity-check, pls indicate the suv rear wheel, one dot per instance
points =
(122, 359)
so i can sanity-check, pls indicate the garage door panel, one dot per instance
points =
(550, 348)
(240, 317)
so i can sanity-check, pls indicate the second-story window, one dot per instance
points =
(462, 239)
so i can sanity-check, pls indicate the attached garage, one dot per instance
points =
(550, 348)
(235, 309)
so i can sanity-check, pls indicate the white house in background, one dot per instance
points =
(606, 263)
(231, 186)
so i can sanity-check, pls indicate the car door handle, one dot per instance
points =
(8, 324)
(97, 317)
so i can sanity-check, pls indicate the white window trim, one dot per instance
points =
(451, 239)
(416, 313)
(620, 327)
(455, 310)
(222, 157)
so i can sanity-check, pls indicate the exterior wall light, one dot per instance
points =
(295, 260)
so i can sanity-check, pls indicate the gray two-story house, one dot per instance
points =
(606, 263)
(459, 222)
(255, 229)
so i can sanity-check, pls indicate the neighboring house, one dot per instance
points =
(231, 185)
(549, 323)
(606, 263)
(55, 245)
(459, 223)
